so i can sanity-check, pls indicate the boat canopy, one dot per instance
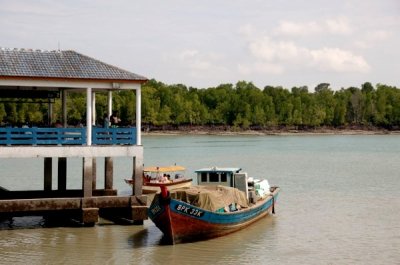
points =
(211, 198)
(163, 169)
(219, 169)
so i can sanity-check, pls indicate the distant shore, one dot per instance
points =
(226, 130)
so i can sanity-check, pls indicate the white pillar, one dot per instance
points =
(138, 116)
(89, 116)
(109, 104)
(94, 108)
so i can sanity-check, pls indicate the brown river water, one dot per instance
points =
(339, 204)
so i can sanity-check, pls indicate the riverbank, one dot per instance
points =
(227, 130)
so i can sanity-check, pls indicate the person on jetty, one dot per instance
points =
(114, 119)
(106, 121)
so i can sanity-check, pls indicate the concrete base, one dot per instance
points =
(90, 216)
(84, 211)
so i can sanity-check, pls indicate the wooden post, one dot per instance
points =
(137, 175)
(108, 173)
(62, 173)
(48, 172)
(87, 176)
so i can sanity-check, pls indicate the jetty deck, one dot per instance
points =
(61, 73)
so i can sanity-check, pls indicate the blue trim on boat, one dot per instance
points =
(219, 218)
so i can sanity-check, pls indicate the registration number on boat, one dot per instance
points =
(189, 210)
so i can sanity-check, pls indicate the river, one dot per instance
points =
(339, 204)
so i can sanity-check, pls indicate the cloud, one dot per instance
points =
(337, 60)
(200, 61)
(276, 56)
(372, 38)
(265, 48)
(292, 28)
(340, 25)
(260, 68)
(197, 66)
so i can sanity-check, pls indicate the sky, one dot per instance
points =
(206, 43)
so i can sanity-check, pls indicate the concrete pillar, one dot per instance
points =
(138, 116)
(108, 173)
(109, 103)
(89, 116)
(94, 108)
(94, 173)
(48, 168)
(137, 175)
(62, 173)
(87, 176)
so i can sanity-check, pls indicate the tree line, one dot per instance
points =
(240, 105)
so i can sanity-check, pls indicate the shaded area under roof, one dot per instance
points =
(59, 64)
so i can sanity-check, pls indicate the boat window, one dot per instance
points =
(214, 177)
(223, 177)
(204, 177)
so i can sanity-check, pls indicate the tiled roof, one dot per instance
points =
(59, 64)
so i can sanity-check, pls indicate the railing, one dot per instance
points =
(111, 136)
(66, 136)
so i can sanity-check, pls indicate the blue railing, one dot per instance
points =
(111, 136)
(66, 136)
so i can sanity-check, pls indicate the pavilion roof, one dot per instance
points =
(68, 64)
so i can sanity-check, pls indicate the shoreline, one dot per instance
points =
(271, 132)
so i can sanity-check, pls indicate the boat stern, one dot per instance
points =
(159, 213)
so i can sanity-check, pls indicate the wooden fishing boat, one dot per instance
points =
(225, 201)
(170, 176)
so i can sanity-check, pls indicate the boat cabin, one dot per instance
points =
(217, 176)
(233, 177)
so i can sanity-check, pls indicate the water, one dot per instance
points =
(339, 204)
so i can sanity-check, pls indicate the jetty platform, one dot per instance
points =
(52, 76)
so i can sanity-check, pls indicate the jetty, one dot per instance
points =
(54, 75)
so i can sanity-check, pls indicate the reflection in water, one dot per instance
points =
(144, 238)
(339, 205)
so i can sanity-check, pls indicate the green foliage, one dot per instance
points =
(241, 105)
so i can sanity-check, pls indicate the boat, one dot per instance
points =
(224, 201)
(169, 176)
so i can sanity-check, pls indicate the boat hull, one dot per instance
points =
(182, 222)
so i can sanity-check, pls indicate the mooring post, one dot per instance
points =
(48, 167)
(87, 176)
(137, 175)
(62, 173)
(108, 173)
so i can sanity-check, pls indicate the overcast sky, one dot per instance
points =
(211, 42)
